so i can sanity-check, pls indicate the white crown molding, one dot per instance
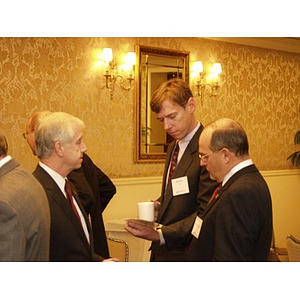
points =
(289, 44)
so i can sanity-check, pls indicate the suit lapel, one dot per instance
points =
(181, 169)
(248, 169)
(58, 197)
(168, 158)
(210, 205)
(77, 199)
(186, 160)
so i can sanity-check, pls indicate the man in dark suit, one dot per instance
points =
(237, 223)
(24, 212)
(59, 147)
(93, 186)
(188, 189)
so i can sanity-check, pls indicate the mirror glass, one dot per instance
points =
(153, 67)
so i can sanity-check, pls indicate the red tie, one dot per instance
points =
(215, 193)
(173, 161)
(70, 198)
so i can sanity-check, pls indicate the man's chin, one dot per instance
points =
(78, 166)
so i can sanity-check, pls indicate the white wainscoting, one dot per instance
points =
(284, 186)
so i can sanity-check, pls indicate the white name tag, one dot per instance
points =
(180, 186)
(197, 227)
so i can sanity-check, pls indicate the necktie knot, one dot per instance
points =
(68, 191)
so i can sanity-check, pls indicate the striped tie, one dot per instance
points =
(173, 162)
(70, 198)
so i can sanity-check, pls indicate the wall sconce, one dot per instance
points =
(208, 81)
(111, 74)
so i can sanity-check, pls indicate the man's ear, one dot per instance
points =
(59, 148)
(191, 105)
(226, 154)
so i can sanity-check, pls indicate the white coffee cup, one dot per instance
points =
(146, 211)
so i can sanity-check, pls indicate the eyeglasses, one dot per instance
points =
(205, 156)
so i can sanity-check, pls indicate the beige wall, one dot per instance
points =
(260, 88)
(285, 191)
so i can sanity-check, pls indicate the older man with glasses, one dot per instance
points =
(237, 223)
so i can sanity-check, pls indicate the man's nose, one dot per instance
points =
(167, 124)
(202, 163)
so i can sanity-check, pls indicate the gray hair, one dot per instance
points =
(54, 127)
(227, 133)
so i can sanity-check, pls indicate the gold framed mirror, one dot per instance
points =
(153, 67)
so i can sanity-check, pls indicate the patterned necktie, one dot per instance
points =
(173, 162)
(215, 193)
(70, 198)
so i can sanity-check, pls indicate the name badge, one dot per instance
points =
(180, 186)
(197, 227)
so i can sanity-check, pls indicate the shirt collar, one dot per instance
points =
(4, 160)
(236, 168)
(185, 141)
(60, 181)
(189, 136)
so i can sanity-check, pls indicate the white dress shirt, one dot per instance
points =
(185, 141)
(236, 168)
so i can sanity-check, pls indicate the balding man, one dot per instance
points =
(237, 223)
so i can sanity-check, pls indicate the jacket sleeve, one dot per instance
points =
(106, 187)
(12, 235)
(100, 183)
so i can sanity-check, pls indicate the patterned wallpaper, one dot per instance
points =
(260, 89)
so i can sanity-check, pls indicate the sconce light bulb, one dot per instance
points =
(217, 68)
(131, 58)
(107, 54)
(198, 67)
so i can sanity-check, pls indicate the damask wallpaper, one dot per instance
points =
(260, 89)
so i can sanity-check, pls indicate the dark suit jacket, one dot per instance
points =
(237, 226)
(67, 239)
(95, 190)
(178, 213)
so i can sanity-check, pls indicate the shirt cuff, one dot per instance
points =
(161, 237)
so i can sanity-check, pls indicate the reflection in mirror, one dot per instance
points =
(154, 66)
